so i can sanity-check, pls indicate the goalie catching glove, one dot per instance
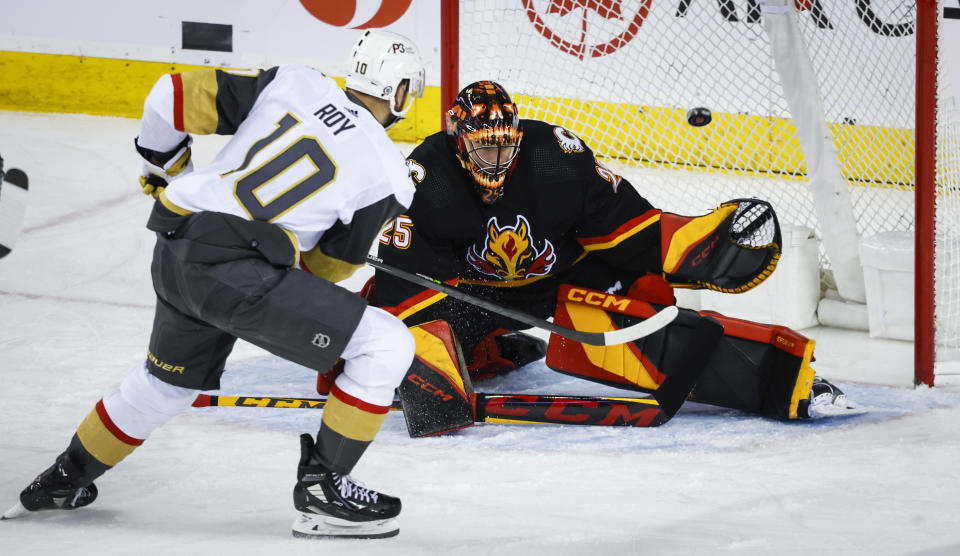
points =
(160, 167)
(733, 249)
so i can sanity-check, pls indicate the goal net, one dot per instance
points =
(812, 106)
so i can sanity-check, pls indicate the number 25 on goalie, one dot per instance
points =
(397, 232)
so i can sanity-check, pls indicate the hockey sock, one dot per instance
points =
(124, 418)
(99, 444)
(349, 425)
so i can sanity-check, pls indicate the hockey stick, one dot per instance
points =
(662, 318)
(13, 205)
(503, 408)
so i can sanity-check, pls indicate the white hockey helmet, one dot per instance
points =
(380, 63)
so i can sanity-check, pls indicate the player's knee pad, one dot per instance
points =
(143, 403)
(124, 418)
(376, 357)
(732, 249)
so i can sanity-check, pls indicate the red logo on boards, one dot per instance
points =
(586, 28)
(341, 12)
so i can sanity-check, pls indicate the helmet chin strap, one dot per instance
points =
(392, 120)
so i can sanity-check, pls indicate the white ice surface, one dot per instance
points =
(75, 312)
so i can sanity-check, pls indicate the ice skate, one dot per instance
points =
(826, 400)
(57, 488)
(336, 505)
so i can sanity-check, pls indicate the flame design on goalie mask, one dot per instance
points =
(485, 132)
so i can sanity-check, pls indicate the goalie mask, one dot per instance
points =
(485, 131)
(387, 66)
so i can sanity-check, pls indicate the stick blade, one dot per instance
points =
(17, 177)
(689, 364)
(15, 512)
(643, 328)
(13, 205)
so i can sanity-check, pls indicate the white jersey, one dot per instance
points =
(303, 155)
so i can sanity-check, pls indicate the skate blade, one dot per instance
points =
(15, 512)
(316, 526)
(839, 407)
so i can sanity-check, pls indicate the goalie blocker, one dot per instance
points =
(759, 368)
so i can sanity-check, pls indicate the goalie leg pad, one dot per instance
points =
(436, 394)
(753, 367)
(760, 368)
(666, 363)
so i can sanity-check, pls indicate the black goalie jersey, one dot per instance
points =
(562, 214)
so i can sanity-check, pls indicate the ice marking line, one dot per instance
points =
(79, 214)
(76, 300)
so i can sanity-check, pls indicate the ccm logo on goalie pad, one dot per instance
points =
(597, 299)
(430, 388)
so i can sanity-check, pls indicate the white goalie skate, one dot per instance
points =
(826, 400)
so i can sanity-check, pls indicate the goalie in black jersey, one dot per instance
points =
(520, 212)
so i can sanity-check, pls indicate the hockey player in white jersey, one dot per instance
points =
(309, 172)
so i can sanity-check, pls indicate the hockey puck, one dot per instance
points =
(699, 117)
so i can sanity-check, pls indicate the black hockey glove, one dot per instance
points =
(733, 249)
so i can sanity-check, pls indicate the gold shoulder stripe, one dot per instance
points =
(200, 101)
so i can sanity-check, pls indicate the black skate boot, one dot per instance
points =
(58, 488)
(336, 505)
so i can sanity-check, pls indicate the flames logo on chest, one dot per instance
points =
(509, 253)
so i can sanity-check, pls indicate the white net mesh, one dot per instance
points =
(624, 74)
(947, 235)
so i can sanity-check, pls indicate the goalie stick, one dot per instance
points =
(650, 411)
(662, 318)
(504, 408)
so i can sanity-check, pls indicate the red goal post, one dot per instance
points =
(837, 111)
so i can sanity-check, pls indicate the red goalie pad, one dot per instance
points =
(754, 367)
(617, 365)
(662, 363)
